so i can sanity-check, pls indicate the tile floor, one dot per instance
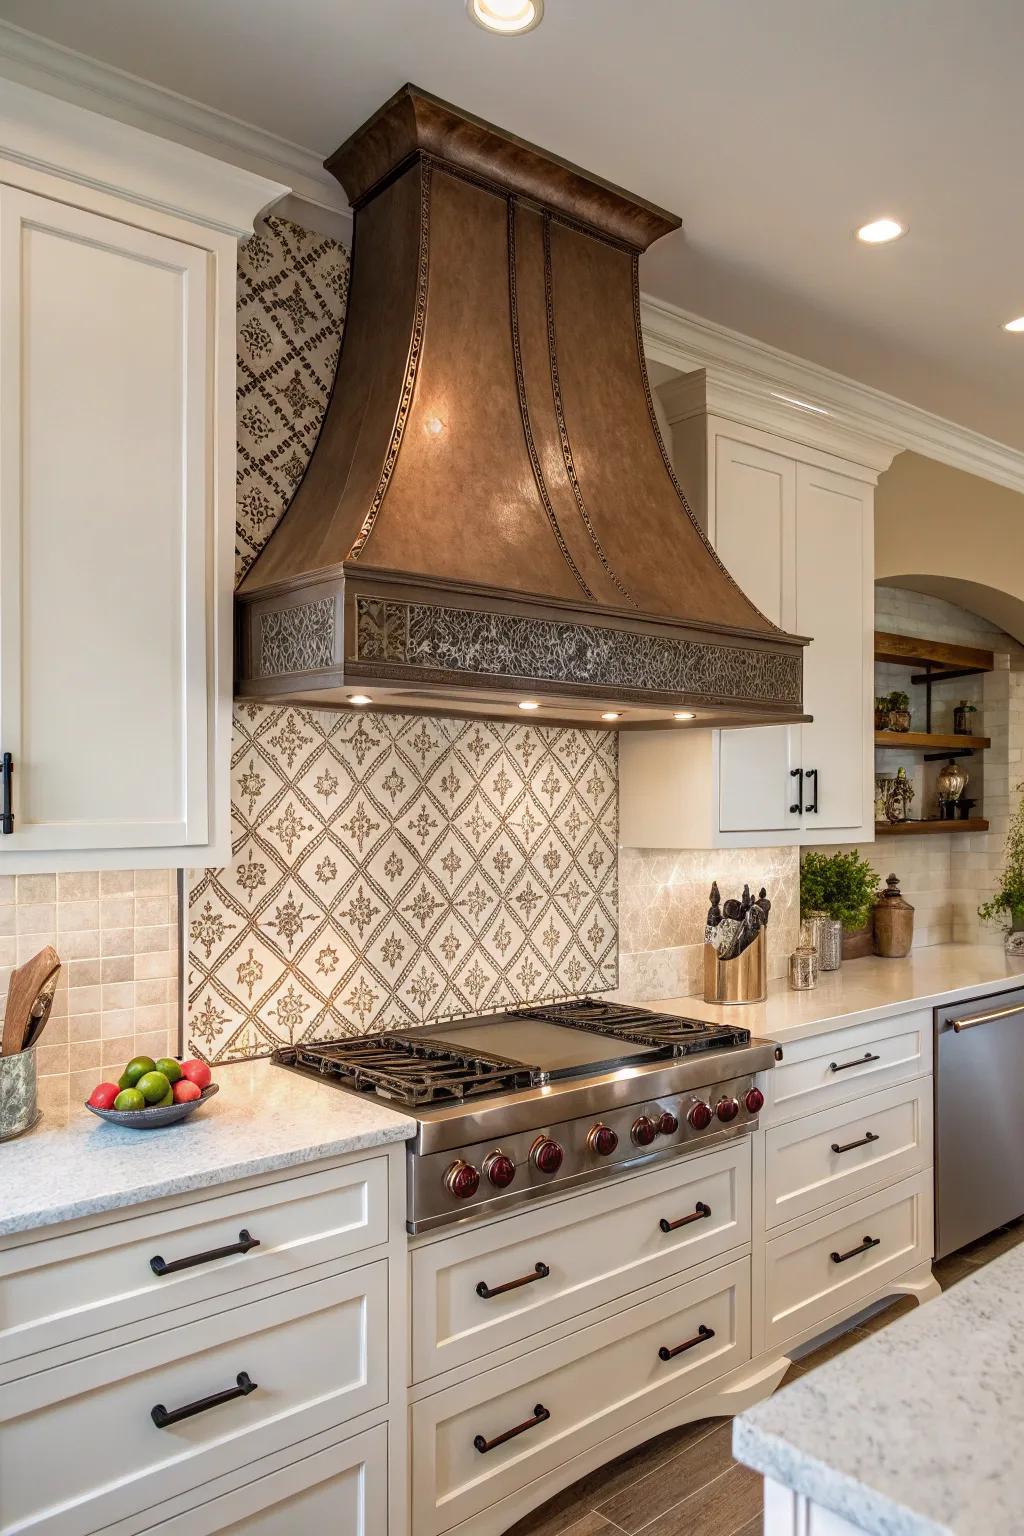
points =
(685, 1481)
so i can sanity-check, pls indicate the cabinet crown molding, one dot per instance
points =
(46, 133)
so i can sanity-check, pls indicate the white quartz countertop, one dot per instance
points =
(263, 1119)
(914, 1431)
(865, 989)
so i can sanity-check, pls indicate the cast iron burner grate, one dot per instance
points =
(408, 1070)
(684, 1037)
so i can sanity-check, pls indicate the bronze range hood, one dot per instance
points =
(489, 516)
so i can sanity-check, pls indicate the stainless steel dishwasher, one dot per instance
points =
(979, 1135)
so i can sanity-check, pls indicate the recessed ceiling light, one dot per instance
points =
(880, 230)
(528, 704)
(507, 17)
(611, 714)
(684, 714)
(1015, 325)
(360, 698)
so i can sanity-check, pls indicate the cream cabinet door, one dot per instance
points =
(755, 536)
(106, 538)
(835, 605)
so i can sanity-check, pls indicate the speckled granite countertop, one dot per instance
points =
(865, 989)
(263, 1119)
(914, 1431)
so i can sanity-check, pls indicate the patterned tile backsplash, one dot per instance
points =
(391, 869)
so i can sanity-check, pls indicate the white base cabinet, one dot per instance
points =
(117, 489)
(792, 518)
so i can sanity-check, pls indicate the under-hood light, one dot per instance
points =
(360, 698)
(881, 231)
(684, 714)
(612, 714)
(528, 704)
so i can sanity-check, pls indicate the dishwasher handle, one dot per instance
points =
(959, 1025)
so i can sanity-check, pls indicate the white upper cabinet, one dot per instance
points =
(794, 524)
(117, 475)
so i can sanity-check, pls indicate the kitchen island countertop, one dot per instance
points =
(913, 1432)
(865, 989)
(262, 1120)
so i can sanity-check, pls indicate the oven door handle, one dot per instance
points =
(959, 1025)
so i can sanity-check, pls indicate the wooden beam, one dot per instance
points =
(912, 651)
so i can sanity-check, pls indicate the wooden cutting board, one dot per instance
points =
(25, 986)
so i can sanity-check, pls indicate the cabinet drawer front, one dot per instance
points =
(342, 1489)
(62, 1293)
(841, 1152)
(805, 1284)
(317, 1354)
(836, 1067)
(573, 1394)
(589, 1250)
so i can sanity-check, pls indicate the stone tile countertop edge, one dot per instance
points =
(914, 1431)
(862, 990)
(262, 1120)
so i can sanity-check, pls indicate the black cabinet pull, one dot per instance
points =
(538, 1272)
(163, 1417)
(6, 809)
(701, 1210)
(841, 1258)
(540, 1415)
(680, 1349)
(795, 773)
(812, 809)
(160, 1266)
(841, 1066)
(848, 1146)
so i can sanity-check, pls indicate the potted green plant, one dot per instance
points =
(837, 893)
(882, 712)
(962, 718)
(899, 711)
(1007, 905)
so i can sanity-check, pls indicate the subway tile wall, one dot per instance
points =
(117, 935)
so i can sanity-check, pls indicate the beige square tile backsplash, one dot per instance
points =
(117, 935)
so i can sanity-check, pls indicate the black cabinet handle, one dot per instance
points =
(6, 809)
(841, 1066)
(848, 1146)
(697, 1214)
(812, 809)
(539, 1272)
(699, 1338)
(163, 1417)
(540, 1415)
(795, 773)
(159, 1266)
(841, 1258)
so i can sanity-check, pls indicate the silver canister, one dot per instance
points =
(803, 969)
(19, 1107)
(825, 935)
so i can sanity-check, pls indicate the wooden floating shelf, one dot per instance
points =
(910, 651)
(929, 739)
(907, 828)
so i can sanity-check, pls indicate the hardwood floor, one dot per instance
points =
(686, 1481)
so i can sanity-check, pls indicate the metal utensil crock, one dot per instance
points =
(19, 1108)
(742, 980)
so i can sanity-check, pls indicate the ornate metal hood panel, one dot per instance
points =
(490, 512)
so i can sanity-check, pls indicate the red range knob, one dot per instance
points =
(602, 1140)
(500, 1169)
(644, 1131)
(547, 1155)
(727, 1109)
(461, 1180)
(754, 1101)
(700, 1116)
(668, 1124)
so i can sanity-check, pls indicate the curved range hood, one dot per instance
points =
(490, 514)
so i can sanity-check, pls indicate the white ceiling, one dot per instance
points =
(773, 127)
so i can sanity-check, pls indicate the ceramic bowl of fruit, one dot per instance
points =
(152, 1093)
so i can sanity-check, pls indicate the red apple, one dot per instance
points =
(196, 1072)
(184, 1091)
(103, 1095)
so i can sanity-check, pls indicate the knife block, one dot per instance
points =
(743, 980)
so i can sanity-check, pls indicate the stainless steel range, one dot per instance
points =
(517, 1106)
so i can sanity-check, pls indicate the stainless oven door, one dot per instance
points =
(979, 1134)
